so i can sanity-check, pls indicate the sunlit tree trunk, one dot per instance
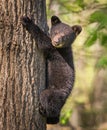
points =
(22, 66)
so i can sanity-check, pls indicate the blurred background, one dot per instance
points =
(86, 108)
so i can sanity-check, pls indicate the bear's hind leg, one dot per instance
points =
(52, 120)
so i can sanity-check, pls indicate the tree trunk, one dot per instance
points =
(22, 66)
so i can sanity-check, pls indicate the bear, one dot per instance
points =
(60, 71)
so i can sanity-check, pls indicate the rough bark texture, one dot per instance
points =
(22, 66)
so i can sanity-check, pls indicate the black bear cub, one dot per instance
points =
(59, 59)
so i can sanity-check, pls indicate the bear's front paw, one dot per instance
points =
(42, 110)
(25, 21)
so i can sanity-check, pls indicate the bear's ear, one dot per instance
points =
(77, 29)
(55, 20)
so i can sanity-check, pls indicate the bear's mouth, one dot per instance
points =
(58, 44)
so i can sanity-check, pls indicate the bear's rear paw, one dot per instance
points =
(42, 110)
(52, 120)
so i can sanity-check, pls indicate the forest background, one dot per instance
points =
(86, 108)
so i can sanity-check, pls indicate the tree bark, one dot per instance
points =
(22, 66)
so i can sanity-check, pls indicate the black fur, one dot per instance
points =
(60, 67)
